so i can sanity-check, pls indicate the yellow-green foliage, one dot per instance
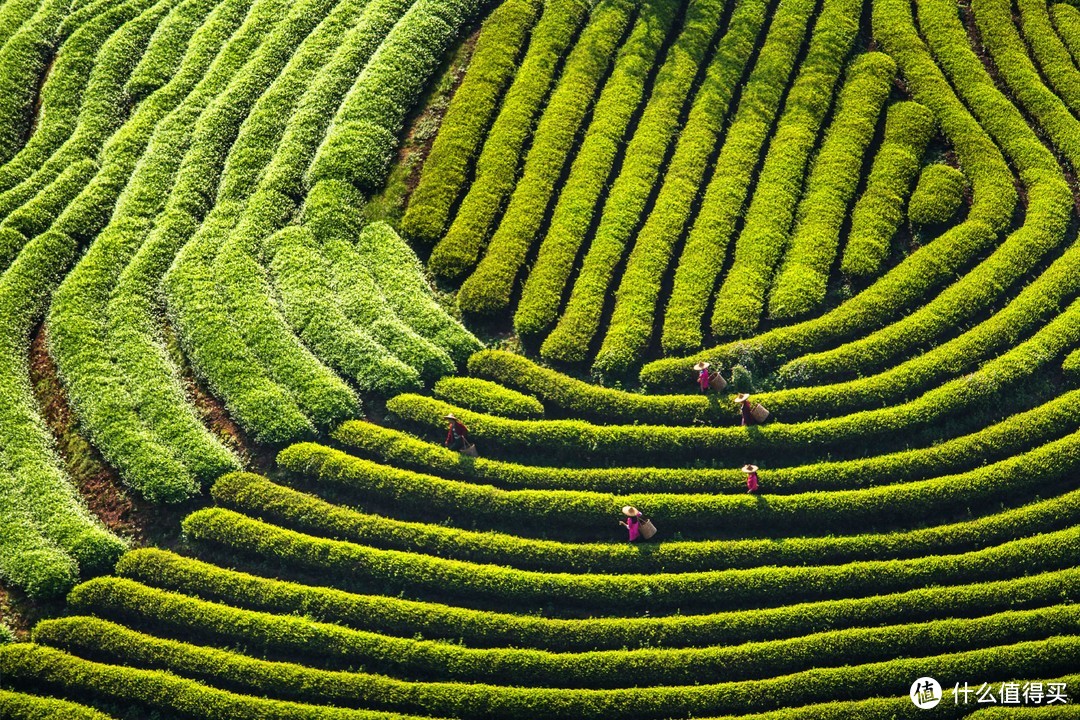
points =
(937, 196)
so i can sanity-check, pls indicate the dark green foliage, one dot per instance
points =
(489, 287)
(880, 208)
(655, 131)
(497, 165)
(364, 134)
(800, 285)
(542, 294)
(472, 108)
(489, 397)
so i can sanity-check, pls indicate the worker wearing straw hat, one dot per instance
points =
(632, 523)
(743, 399)
(457, 435)
(703, 378)
(751, 478)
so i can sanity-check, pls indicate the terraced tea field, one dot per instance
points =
(253, 253)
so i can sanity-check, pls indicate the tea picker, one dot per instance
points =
(751, 478)
(751, 415)
(457, 436)
(709, 380)
(637, 525)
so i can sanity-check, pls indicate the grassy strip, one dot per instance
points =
(20, 706)
(880, 209)
(36, 215)
(741, 297)
(1013, 435)
(414, 660)
(405, 618)
(247, 293)
(585, 400)
(393, 571)
(1049, 50)
(258, 403)
(497, 166)
(242, 289)
(931, 265)
(13, 17)
(886, 506)
(160, 691)
(1071, 366)
(1011, 56)
(302, 275)
(264, 176)
(463, 128)
(170, 44)
(1049, 199)
(79, 110)
(488, 289)
(1049, 209)
(39, 498)
(302, 278)
(592, 166)
(706, 245)
(23, 60)
(336, 75)
(30, 560)
(329, 213)
(937, 195)
(1067, 21)
(143, 242)
(1005, 372)
(363, 136)
(740, 300)
(489, 397)
(160, 466)
(251, 381)
(81, 100)
(1041, 657)
(258, 497)
(800, 285)
(400, 276)
(24, 290)
(246, 301)
(641, 168)
(1037, 303)
(630, 329)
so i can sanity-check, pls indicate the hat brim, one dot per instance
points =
(630, 511)
(749, 468)
(701, 366)
(742, 397)
(449, 417)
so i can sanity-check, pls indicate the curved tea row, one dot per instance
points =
(183, 201)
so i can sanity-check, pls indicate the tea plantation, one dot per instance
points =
(254, 252)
